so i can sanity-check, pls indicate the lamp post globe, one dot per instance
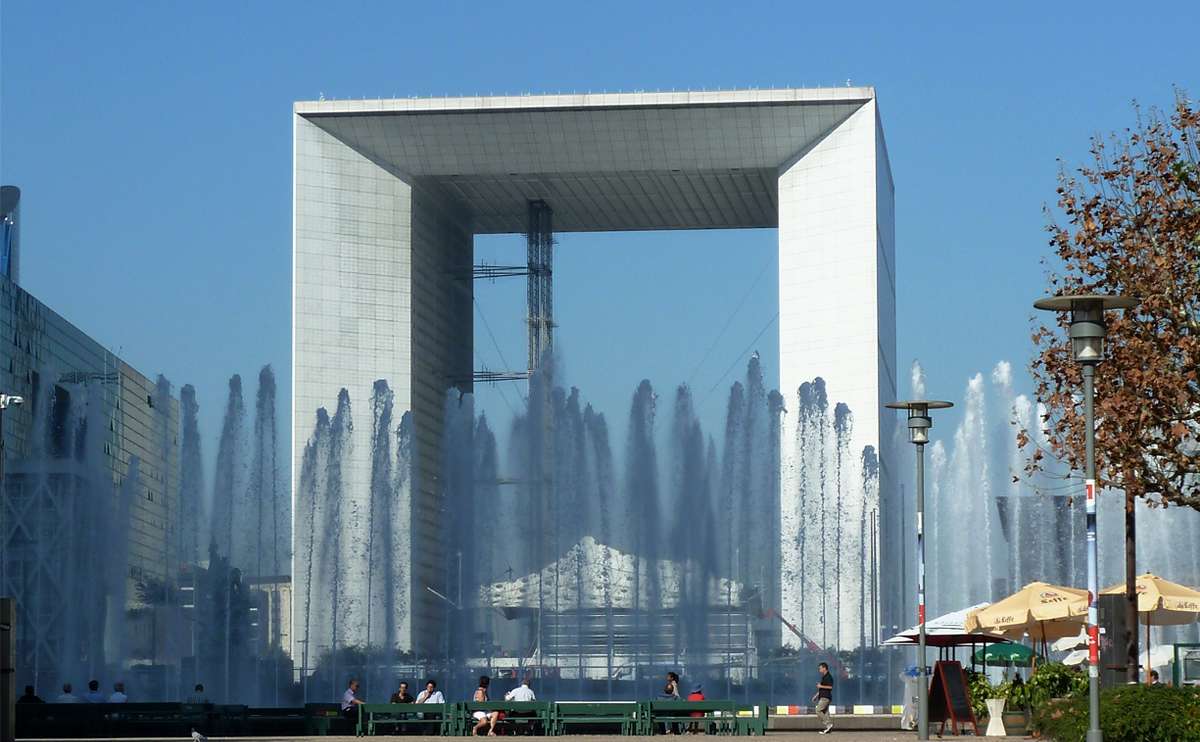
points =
(1087, 331)
(919, 424)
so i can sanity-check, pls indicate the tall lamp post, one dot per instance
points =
(919, 424)
(1087, 332)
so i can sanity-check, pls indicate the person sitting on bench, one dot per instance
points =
(350, 700)
(484, 718)
(431, 694)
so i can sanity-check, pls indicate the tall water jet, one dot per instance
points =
(333, 557)
(116, 634)
(381, 578)
(229, 481)
(191, 478)
(641, 491)
(488, 554)
(692, 540)
(309, 536)
(265, 507)
(457, 493)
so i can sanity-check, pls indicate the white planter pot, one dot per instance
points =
(995, 727)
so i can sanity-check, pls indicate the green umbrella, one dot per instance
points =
(1005, 653)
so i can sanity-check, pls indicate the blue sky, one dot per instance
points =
(152, 141)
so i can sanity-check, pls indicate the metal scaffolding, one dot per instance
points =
(540, 244)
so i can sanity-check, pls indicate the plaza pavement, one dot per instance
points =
(777, 736)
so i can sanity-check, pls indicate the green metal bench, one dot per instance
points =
(625, 714)
(268, 721)
(324, 719)
(718, 717)
(430, 718)
(520, 716)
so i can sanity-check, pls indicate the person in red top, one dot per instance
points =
(697, 694)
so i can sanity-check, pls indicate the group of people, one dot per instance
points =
(484, 720)
(93, 695)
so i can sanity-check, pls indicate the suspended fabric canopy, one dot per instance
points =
(945, 631)
(1006, 653)
(1040, 610)
(1077, 657)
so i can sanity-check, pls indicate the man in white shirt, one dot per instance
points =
(350, 700)
(118, 695)
(67, 696)
(521, 693)
(431, 694)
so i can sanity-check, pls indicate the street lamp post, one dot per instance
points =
(919, 424)
(1087, 332)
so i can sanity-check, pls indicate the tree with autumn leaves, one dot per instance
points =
(1131, 226)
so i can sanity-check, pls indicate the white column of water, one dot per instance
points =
(309, 523)
(227, 533)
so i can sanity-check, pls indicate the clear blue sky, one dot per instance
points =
(152, 141)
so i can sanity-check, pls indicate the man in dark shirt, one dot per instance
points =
(30, 696)
(402, 695)
(823, 697)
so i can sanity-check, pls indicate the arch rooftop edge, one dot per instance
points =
(584, 100)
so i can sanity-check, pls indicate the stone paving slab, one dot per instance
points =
(777, 736)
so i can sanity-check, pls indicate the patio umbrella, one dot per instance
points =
(1067, 643)
(1042, 611)
(1161, 603)
(1007, 653)
(945, 631)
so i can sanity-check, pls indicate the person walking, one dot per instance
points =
(823, 697)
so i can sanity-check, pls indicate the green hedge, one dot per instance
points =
(1129, 713)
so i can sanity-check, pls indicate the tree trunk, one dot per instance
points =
(1131, 612)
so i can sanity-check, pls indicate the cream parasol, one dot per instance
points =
(1040, 610)
(1161, 603)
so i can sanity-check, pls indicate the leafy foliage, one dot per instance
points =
(980, 690)
(1130, 713)
(1055, 680)
(1132, 228)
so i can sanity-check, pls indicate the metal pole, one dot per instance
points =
(1093, 631)
(922, 685)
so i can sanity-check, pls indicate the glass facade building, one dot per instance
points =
(90, 506)
(10, 236)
